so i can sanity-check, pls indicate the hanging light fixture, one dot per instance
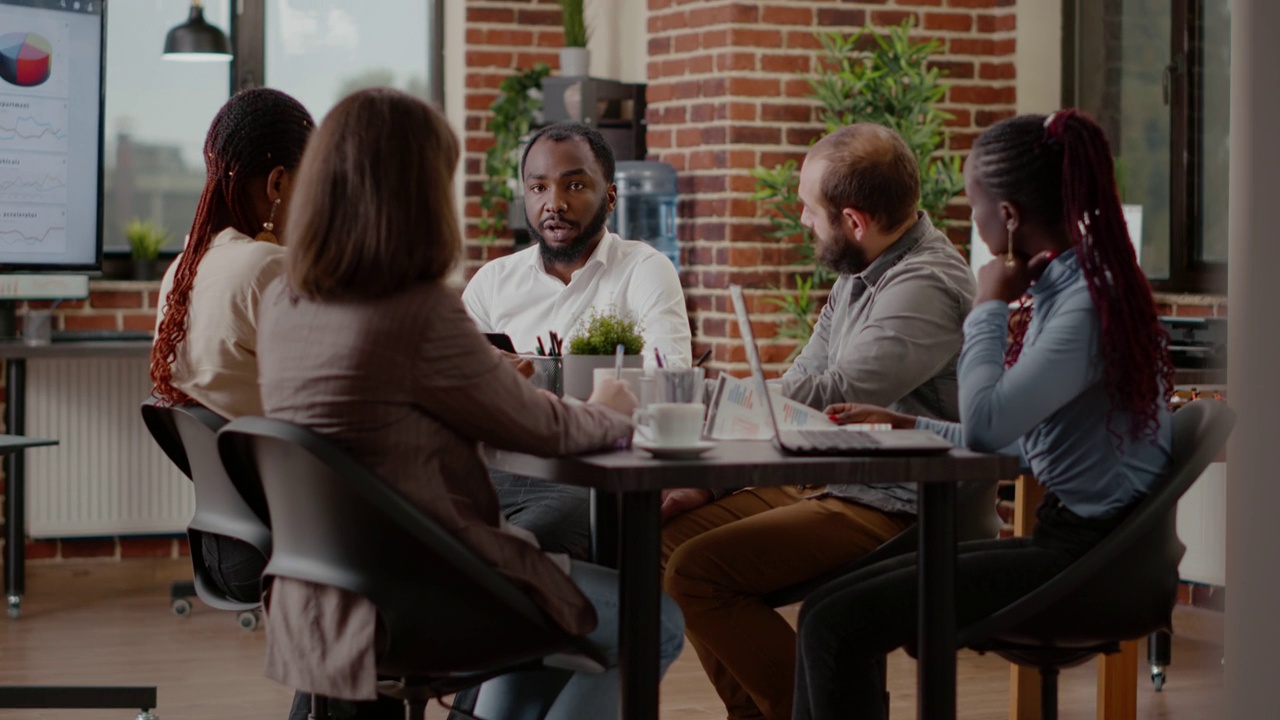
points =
(196, 40)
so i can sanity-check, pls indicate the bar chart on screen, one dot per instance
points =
(737, 412)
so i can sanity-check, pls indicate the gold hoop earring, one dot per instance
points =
(267, 235)
(1010, 261)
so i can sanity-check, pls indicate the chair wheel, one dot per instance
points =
(180, 606)
(15, 607)
(1157, 679)
(147, 715)
(248, 620)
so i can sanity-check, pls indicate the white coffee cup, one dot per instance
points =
(670, 424)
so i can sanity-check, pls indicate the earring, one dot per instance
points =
(1010, 261)
(266, 235)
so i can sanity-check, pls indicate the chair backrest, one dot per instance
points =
(189, 436)
(1126, 586)
(441, 609)
(159, 422)
(976, 519)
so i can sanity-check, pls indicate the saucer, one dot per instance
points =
(675, 452)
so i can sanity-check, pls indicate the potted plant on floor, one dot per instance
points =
(146, 239)
(593, 344)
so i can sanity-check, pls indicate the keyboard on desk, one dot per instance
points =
(61, 336)
(835, 439)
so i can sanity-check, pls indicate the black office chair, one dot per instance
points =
(1122, 589)
(188, 435)
(441, 610)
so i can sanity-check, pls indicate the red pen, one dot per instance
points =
(541, 350)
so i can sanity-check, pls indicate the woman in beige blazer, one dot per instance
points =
(363, 342)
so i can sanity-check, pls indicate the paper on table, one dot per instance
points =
(737, 412)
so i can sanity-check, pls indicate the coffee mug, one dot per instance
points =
(670, 424)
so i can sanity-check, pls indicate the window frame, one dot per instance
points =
(1187, 272)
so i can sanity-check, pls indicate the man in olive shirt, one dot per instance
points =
(889, 335)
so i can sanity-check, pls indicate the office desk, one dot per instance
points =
(15, 356)
(639, 479)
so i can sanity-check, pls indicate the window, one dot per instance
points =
(1156, 76)
(157, 114)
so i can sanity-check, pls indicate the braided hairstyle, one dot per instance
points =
(255, 132)
(1059, 173)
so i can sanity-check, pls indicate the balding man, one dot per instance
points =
(889, 335)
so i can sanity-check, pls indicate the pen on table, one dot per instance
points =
(702, 358)
(541, 350)
(617, 361)
(657, 355)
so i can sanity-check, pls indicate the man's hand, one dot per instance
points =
(679, 500)
(524, 366)
(846, 413)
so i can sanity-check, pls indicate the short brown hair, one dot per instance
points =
(372, 213)
(872, 170)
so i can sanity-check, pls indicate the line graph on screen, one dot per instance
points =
(33, 124)
(31, 178)
(32, 229)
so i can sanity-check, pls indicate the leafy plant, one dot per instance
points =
(573, 16)
(890, 84)
(519, 98)
(601, 331)
(145, 239)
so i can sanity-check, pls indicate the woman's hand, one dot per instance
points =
(524, 366)
(846, 413)
(1006, 278)
(615, 395)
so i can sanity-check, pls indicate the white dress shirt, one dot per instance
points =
(517, 296)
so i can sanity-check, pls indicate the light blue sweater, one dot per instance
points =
(1051, 408)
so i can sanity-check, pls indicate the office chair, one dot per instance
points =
(188, 435)
(335, 523)
(1122, 589)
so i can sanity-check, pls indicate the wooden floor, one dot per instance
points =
(109, 623)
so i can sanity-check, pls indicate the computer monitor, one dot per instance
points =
(51, 109)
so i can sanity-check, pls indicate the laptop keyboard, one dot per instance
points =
(839, 439)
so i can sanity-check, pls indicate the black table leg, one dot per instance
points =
(936, 690)
(640, 588)
(604, 528)
(15, 501)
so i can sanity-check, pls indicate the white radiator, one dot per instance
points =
(107, 476)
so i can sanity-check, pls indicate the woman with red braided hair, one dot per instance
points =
(1079, 393)
(206, 335)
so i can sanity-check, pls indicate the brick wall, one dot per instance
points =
(112, 305)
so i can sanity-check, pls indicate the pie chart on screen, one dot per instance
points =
(25, 58)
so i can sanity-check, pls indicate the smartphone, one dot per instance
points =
(502, 341)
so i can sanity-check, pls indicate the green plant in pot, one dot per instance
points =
(869, 76)
(575, 59)
(519, 102)
(593, 344)
(146, 239)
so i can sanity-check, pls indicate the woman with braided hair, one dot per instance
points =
(1079, 393)
(206, 332)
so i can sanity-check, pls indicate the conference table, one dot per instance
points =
(639, 479)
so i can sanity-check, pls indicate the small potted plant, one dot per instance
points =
(145, 241)
(593, 345)
(574, 56)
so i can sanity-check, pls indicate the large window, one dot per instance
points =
(156, 117)
(1156, 75)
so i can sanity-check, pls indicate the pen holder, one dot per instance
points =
(548, 373)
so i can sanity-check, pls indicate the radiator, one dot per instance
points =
(107, 476)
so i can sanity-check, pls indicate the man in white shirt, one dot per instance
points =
(574, 266)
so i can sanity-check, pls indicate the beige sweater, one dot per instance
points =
(217, 363)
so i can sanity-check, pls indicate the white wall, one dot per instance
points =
(1039, 56)
(619, 39)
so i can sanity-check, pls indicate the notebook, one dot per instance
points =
(834, 440)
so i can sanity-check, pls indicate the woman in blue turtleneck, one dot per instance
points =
(1079, 394)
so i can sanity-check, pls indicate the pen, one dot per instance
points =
(541, 350)
(617, 361)
(657, 355)
(702, 358)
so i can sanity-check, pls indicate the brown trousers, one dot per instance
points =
(720, 559)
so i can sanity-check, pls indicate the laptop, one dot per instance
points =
(828, 440)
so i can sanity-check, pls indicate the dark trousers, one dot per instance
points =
(558, 515)
(235, 567)
(384, 708)
(848, 626)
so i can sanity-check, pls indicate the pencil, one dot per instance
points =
(617, 361)
(541, 350)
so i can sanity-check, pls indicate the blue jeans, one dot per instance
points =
(555, 694)
(558, 515)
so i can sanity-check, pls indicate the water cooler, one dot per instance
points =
(647, 206)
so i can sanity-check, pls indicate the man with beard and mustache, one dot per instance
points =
(889, 335)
